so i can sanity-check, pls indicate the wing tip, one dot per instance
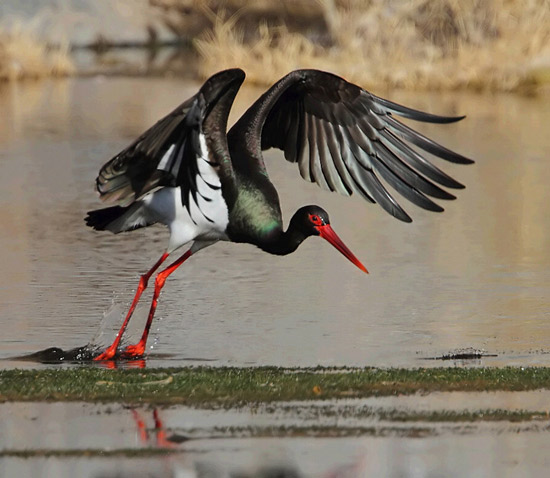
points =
(459, 159)
(454, 185)
(414, 114)
(450, 119)
(401, 215)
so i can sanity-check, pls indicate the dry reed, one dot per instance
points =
(23, 56)
(498, 45)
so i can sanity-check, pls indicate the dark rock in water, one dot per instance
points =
(270, 472)
(176, 438)
(463, 354)
(56, 354)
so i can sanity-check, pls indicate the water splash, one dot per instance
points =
(111, 317)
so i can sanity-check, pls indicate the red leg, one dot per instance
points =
(110, 352)
(137, 350)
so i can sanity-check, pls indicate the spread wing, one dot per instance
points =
(165, 155)
(185, 149)
(346, 139)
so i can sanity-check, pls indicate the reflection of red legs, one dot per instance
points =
(113, 364)
(110, 352)
(143, 435)
(162, 441)
(160, 433)
(137, 350)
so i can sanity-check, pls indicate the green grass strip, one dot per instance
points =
(233, 386)
(89, 453)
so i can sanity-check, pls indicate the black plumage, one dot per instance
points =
(345, 139)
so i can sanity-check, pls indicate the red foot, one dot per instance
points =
(134, 351)
(109, 353)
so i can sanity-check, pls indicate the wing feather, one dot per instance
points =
(345, 139)
(314, 158)
(303, 148)
(291, 144)
(349, 161)
(415, 160)
(398, 166)
(327, 163)
(425, 143)
(336, 156)
(370, 184)
(135, 171)
(167, 154)
(399, 183)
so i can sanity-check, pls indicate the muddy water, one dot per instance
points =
(476, 276)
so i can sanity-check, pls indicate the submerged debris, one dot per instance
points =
(463, 354)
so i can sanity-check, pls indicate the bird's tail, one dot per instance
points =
(117, 218)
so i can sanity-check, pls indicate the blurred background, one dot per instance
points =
(489, 45)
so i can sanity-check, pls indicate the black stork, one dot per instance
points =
(207, 185)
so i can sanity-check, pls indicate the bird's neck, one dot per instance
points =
(284, 242)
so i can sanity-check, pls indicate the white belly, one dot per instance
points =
(185, 225)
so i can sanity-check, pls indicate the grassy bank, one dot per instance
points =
(234, 386)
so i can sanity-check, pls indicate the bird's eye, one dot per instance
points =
(316, 220)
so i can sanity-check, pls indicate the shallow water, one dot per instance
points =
(476, 276)
(477, 456)
(320, 439)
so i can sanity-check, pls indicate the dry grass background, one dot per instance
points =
(501, 45)
(23, 55)
(494, 45)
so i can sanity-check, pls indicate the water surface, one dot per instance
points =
(318, 439)
(476, 276)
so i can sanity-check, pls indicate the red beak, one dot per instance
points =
(327, 233)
